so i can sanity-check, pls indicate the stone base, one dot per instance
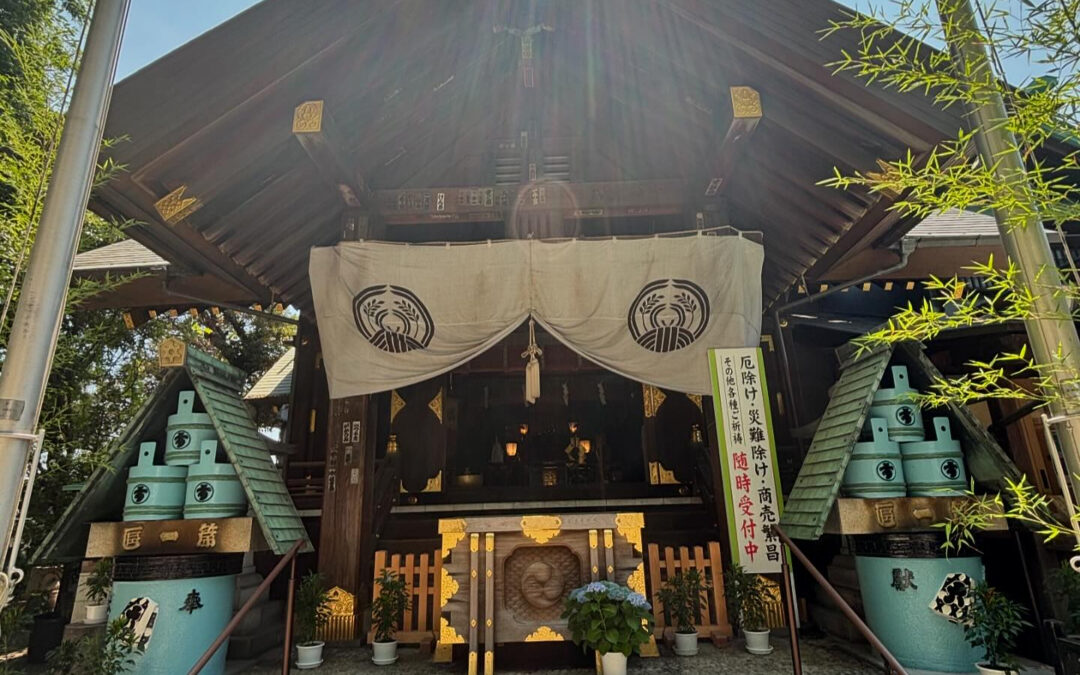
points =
(74, 631)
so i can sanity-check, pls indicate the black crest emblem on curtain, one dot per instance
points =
(392, 318)
(668, 314)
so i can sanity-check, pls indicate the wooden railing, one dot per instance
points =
(663, 564)
(423, 576)
(288, 559)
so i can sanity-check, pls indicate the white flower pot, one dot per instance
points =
(987, 670)
(613, 663)
(686, 643)
(309, 655)
(384, 653)
(96, 613)
(757, 641)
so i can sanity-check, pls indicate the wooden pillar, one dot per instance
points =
(346, 503)
(309, 400)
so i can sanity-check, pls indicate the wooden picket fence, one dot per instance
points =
(664, 563)
(423, 581)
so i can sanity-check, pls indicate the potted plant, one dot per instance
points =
(611, 619)
(746, 597)
(386, 610)
(681, 596)
(98, 585)
(312, 613)
(994, 622)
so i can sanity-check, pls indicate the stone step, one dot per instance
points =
(252, 645)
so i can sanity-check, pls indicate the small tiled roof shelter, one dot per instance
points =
(218, 385)
(811, 501)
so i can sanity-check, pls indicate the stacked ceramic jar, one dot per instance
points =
(898, 461)
(191, 483)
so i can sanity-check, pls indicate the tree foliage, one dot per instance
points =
(102, 371)
(904, 53)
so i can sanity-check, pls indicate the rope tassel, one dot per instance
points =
(532, 368)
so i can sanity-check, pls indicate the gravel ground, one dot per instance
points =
(818, 658)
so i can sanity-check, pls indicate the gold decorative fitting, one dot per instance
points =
(544, 634)
(595, 570)
(396, 404)
(636, 580)
(652, 398)
(472, 663)
(452, 531)
(489, 542)
(658, 475)
(541, 529)
(340, 602)
(629, 526)
(434, 484)
(474, 544)
(447, 634)
(593, 537)
(174, 206)
(448, 588)
(489, 662)
(745, 102)
(609, 539)
(172, 353)
(696, 400)
(472, 623)
(436, 405)
(307, 118)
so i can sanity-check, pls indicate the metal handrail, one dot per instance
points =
(289, 557)
(860, 626)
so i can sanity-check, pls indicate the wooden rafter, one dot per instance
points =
(745, 115)
(313, 128)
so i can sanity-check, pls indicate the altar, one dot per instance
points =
(504, 578)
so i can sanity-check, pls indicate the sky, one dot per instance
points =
(156, 27)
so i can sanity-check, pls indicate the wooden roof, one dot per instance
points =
(815, 491)
(218, 387)
(421, 93)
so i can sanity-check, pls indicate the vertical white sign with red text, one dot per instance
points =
(748, 457)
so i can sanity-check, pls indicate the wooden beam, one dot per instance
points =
(493, 204)
(314, 129)
(745, 115)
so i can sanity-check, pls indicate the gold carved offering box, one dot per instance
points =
(505, 578)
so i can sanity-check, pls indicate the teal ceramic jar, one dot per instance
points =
(154, 492)
(875, 469)
(935, 468)
(175, 606)
(896, 406)
(213, 490)
(186, 431)
(900, 576)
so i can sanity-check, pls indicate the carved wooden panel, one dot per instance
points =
(538, 560)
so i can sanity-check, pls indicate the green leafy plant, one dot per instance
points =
(994, 622)
(386, 610)
(1064, 585)
(608, 618)
(99, 582)
(746, 596)
(312, 607)
(1021, 503)
(109, 652)
(681, 596)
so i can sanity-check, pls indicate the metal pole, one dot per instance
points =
(290, 601)
(32, 341)
(793, 626)
(1053, 338)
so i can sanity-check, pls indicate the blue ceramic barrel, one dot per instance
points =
(899, 577)
(935, 468)
(176, 606)
(875, 469)
(186, 431)
(213, 490)
(896, 407)
(154, 492)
